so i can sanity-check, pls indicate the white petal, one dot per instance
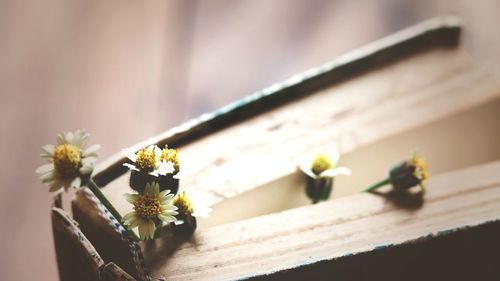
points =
(158, 151)
(151, 188)
(143, 229)
(54, 186)
(131, 198)
(90, 159)
(49, 176)
(68, 138)
(130, 154)
(169, 207)
(330, 173)
(49, 149)
(77, 138)
(165, 168)
(146, 229)
(151, 229)
(92, 151)
(154, 173)
(126, 218)
(60, 138)
(170, 213)
(304, 164)
(84, 138)
(308, 172)
(167, 198)
(178, 222)
(130, 166)
(334, 157)
(131, 219)
(44, 169)
(86, 169)
(46, 156)
(164, 192)
(76, 183)
(166, 218)
(156, 188)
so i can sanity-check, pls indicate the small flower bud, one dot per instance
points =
(409, 173)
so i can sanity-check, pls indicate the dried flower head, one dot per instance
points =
(409, 173)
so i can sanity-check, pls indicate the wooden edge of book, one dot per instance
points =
(112, 272)
(77, 258)
(440, 32)
(362, 236)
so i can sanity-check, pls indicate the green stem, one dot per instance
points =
(97, 192)
(377, 185)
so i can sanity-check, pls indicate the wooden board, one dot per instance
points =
(338, 229)
(440, 33)
(404, 81)
(428, 85)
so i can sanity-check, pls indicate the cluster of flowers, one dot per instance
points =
(155, 175)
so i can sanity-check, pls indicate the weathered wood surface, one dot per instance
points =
(345, 112)
(433, 34)
(401, 96)
(77, 258)
(112, 272)
(397, 97)
(337, 232)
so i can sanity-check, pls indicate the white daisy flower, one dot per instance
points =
(148, 207)
(322, 166)
(148, 160)
(69, 167)
(190, 208)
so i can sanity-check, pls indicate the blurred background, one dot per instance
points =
(127, 70)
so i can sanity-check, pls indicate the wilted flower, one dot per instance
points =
(188, 210)
(320, 173)
(150, 209)
(409, 173)
(406, 174)
(148, 166)
(69, 167)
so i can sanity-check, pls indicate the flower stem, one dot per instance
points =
(377, 185)
(97, 192)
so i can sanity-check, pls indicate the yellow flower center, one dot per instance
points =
(183, 204)
(420, 165)
(170, 155)
(321, 163)
(147, 206)
(66, 160)
(146, 160)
